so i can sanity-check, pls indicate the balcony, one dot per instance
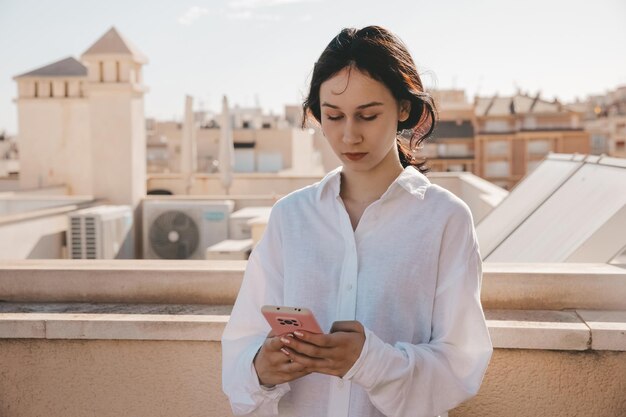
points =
(142, 338)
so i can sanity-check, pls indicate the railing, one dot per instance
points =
(134, 337)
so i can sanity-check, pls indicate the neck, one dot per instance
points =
(365, 187)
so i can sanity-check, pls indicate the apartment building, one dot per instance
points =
(451, 146)
(605, 120)
(514, 134)
(264, 143)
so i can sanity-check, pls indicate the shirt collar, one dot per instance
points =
(413, 181)
(331, 180)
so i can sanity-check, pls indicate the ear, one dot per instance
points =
(405, 110)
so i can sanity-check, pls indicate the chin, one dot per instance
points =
(359, 166)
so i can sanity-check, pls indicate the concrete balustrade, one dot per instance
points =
(141, 338)
(505, 286)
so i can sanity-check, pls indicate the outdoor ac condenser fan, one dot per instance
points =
(174, 235)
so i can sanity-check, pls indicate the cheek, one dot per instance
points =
(384, 133)
(331, 131)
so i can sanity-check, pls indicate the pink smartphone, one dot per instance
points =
(284, 319)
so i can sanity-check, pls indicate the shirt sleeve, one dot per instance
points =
(431, 378)
(247, 329)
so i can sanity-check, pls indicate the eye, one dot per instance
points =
(329, 117)
(369, 118)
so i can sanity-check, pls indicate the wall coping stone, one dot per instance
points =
(572, 330)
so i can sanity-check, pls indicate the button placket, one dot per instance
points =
(339, 398)
(347, 301)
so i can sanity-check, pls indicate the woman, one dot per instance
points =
(388, 262)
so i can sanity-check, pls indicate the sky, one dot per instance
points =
(263, 51)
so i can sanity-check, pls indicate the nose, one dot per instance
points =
(351, 133)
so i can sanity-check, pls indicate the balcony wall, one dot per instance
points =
(34, 227)
(480, 195)
(243, 184)
(112, 338)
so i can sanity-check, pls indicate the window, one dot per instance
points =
(539, 147)
(497, 169)
(599, 144)
(458, 150)
(497, 126)
(530, 122)
(497, 147)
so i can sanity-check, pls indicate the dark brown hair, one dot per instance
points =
(383, 56)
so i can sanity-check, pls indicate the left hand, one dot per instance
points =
(332, 354)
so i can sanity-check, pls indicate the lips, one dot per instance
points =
(355, 156)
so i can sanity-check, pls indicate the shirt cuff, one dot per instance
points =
(364, 372)
(358, 364)
(273, 394)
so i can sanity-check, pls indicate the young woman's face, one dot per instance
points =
(359, 118)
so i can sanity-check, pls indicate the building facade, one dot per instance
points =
(451, 146)
(605, 120)
(79, 121)
(514, 134)
(263, 144)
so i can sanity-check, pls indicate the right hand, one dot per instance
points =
(273, 365)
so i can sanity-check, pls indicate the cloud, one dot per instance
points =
(251, 9)
(192, 14)
(250, 15)
(255, 4)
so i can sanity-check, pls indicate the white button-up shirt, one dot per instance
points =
(410, 273)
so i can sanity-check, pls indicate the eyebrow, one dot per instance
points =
(362, 106)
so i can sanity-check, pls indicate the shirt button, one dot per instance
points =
(349, 287)
(340, 383)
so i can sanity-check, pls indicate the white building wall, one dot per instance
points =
(119, 146)
(302, 152)
(58, 88)
(54, 144)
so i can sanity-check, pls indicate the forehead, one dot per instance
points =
(351, 87)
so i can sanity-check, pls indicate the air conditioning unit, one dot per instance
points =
(179, 229)
(239, 227)
(103, 232)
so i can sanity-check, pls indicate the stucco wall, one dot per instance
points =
(531, 383)
(78, 378)
(54, 144)
(102, 378)
(243, 184)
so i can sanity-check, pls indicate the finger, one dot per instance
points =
(287, 364)
(347, 326)
(310, 365)
(317, 339)
(306, 348)
(274, 343)
(291, 367)
(306, 362)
